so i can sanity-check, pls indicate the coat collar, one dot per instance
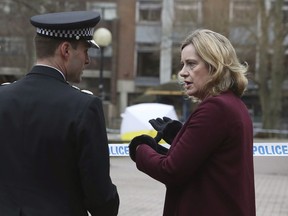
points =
(47, 71)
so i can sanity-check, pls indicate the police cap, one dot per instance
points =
(75, 25)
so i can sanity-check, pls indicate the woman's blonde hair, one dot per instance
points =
(227, 73)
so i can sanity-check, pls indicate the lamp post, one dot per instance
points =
(103, 38)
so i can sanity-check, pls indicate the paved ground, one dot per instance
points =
(142, 196)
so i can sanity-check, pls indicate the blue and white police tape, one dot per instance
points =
(259, 149)
(122, 149)
(270, 149)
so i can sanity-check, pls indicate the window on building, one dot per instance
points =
(284, 9)
(108, 10)
(12, 46)
(12, 52)
(187, 11)
(176, 59)
(12, 8)
(148, 60)
(243, 12)
(6, 7)
(149, 11)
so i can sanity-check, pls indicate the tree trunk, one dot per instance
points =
(270, 79)
(277, 69)
(262, 75)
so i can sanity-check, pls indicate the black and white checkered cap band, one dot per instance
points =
(85, 33)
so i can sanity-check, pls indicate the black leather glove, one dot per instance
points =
(138, 140)
(161, 149)
(167, 128)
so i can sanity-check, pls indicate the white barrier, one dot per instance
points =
(259, 149)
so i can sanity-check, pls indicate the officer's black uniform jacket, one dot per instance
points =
(54, 158)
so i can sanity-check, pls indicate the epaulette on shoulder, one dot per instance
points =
(6, 83)
(87, 91)
(75, 87)
(83, 90)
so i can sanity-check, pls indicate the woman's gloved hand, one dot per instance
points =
(138, 140)
(167, 128)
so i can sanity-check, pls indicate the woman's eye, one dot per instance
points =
(191, 64)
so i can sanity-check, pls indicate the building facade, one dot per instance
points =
(146, 36)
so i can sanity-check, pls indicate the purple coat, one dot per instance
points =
(209, 167)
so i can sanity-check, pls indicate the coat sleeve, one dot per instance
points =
(201, 135)
(101, 196)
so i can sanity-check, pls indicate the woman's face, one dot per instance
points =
(195, 72)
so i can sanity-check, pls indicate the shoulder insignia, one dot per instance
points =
(83, 90)
(75, 87)
(87, 91)
(6, 83)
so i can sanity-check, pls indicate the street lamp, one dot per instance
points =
(103, 38)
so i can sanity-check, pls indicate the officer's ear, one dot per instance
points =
(64, 49)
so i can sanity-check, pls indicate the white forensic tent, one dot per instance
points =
(135, 119)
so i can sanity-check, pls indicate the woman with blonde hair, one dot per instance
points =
(223, 65)
(208, 169)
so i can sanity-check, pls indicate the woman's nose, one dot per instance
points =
(183, 72)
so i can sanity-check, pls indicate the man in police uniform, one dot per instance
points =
(54, 158)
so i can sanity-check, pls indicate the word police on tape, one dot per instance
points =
(259, 149)
(119, 149)
(270, 149)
